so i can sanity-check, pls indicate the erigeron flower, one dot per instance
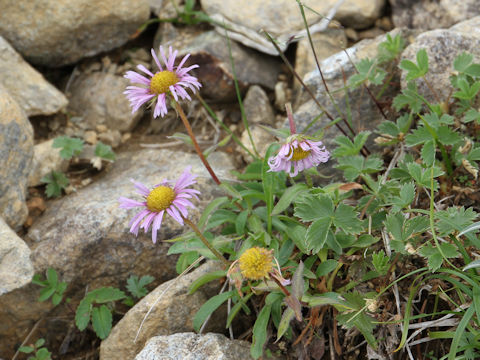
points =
(170, 80)
(256, 263)
(297, 154)
(162, 198)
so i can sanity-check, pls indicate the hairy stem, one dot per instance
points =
(206, 243)
(195, 143)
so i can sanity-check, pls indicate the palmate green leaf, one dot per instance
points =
(471, 115)
(312, 207)
(317, 234)
(348, 148)
(428, 152)
(296, 233)
(136, 286)
(209, 307)
(69, 146)
(56, 181)
(434, 256)
(408, 98)
(104, 151)
(358, 318)
(102, 321)
(260, 332)
(354, 166)
(422, 61)
(346, 218)
(418, 136)
(405, 198)
(462, 62)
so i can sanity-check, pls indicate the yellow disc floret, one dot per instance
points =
(255, 263)
(160, 198)
(161, 81)
(299, 154)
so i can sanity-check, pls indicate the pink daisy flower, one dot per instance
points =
(300, 154)
(162, 198)
(155, 87)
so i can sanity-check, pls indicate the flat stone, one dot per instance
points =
(173, 311)
(45, 160)
(59, 32)
(190, 346)
(210, 51)
(282, 18)
(16, 269)
(429, 15)
(99, 100)
(442, 47)
(34, 94)
(16, 153)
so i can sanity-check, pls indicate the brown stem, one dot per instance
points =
(435, 95)
(291, 122)
(195, 144)
(283, 288)
(206, 243)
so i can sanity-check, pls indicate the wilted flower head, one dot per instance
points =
(256, 263)
(162, 198)
(298, 154)
(155, 87)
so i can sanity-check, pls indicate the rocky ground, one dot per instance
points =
(61, 73)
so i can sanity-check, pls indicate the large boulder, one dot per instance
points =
(282, 18)
(26, 85)
(59, 32)
(98, 99)
(16, 153)
(190, 346)
(172, 311)
(429, 15)
(442, 47)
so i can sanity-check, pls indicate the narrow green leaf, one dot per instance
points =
(82, 315)
(287, 316)
(208, 308)
(292, 193)
(260, 332)
(204, 279)
(102, 321)
(236, 308)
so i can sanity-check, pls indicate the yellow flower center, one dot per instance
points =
(160, 198)
(299, 154)
(161, 81)
(256, 263)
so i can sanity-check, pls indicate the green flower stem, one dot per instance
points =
(206, 243)
(195, 143)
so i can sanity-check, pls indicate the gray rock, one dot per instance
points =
(59, 32)
(210, 51)
(428, 15)
(173, 311)
(84, 225)
(26, 85)
(190, 346)
(258, 109)
(470, 27)
(442, 47)
(98, 98)
(16, 269)
(282, 19)
(325, 43)
(88, 225)
(261, 138)
(16, 153)
(45, 160)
